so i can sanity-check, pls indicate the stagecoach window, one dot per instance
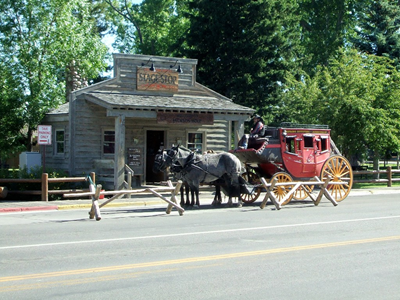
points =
(195, 142)
(60, 142)
(290, 144)
(109, 142)
(324, 143)
(308, 142)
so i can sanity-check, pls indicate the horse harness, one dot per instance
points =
(191, 162)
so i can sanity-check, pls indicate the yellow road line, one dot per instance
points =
(196, 259)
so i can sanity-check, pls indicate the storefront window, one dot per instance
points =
(195, 142)
(109, 142)
(60, 142)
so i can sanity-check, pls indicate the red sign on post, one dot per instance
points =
(44, 134)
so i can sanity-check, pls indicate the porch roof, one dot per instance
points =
(186, 103)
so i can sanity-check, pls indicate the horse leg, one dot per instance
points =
(215, 200)
(230, 204)
(240, 203)
(187, 194)
(192, 192)
(218, 193)
(197, 205)
(236, 185)
(217, 197)
(182, 197)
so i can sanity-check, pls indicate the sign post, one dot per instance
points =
(44, 138)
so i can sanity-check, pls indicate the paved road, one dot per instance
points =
(300, 252)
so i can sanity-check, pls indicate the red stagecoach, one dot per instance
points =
(295, 152)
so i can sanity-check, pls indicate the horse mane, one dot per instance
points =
(184, 148)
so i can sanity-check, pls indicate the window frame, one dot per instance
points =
(203, 143)
(324, 143)
(308, 141)
(56, 141)
(103, 142)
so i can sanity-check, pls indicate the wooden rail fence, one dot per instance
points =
(389, 180)
(95, 192)
(45, 180)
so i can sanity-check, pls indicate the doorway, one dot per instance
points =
(155, 141)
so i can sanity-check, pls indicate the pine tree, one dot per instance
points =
(378, 31)
(244, 47)
(326, 27)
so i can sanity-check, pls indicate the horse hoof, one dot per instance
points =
(196, 206)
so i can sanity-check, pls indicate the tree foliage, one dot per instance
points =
(38, 40)
(357, 95)
(154, 27)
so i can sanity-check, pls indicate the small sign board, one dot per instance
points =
(134, 157)
(44, 134)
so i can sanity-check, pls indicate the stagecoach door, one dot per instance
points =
(155, 140)
(309, 154)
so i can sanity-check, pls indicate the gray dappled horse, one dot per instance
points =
(160, 165)
(195, 169)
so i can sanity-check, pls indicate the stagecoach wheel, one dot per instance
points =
(340, 170)
(281, 191)
(300, 193)
(253, 179)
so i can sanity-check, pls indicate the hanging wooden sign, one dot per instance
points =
(185, 118)
(159, 80)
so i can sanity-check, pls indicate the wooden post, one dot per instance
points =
(291, 192)
(93, 176)
(129, 181)
(269, 193)
(119, 155)
(173, 201)
(324, 191)
(95, 210)
(45, 187)
(3, 192)
(389, 175)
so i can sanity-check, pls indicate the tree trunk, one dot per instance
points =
(28, 141)
(376, 163)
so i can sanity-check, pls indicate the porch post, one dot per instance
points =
(119, 155)
(238, 131)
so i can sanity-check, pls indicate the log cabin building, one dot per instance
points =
(150, 103)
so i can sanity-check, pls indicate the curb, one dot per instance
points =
(33, 208)
(78, 206)
(121, 204)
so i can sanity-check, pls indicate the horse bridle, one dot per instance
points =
(171, 157)
(162, 159)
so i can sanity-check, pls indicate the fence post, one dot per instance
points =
(93, 176)
(45, 187)
(389, 174)
(129, 179)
